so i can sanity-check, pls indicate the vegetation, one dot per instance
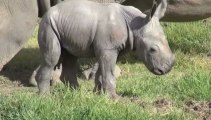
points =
(182, 94)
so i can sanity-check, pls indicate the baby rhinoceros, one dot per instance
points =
(74, 29)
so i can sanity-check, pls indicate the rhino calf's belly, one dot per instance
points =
(79, 51)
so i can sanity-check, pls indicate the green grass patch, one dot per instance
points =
(193, 37)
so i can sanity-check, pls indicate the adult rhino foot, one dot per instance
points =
(89, 74)
(32, 81)
(55, 79)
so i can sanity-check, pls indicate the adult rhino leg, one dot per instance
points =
(69, 70)
(105, 79)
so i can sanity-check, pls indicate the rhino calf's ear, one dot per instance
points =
(161, 9)
(154, 7)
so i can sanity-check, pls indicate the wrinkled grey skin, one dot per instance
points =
(45, 5)
(108, 30)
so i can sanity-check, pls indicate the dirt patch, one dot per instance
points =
(139, 102)
(162, 105)
(200, 109)
(7, 88)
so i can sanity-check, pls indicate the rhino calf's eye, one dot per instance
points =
(152, 50)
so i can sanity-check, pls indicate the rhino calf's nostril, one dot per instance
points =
(161, 71)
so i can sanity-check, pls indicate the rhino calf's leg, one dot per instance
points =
(44, 75)
(69, 70)
(51, 52)
(43, 79)
(105, 79)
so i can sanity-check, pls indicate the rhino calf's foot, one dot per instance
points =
(43, 77)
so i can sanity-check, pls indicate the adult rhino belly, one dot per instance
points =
(188, 10)
(17, 22)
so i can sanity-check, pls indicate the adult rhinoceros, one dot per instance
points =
(178, 10)
(90, 29)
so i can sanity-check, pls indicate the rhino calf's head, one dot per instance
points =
(152, 46)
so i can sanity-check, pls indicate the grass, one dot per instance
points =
(190, 80)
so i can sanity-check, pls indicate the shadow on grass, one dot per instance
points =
(128, 94)
(22, 65)
(86, 63)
